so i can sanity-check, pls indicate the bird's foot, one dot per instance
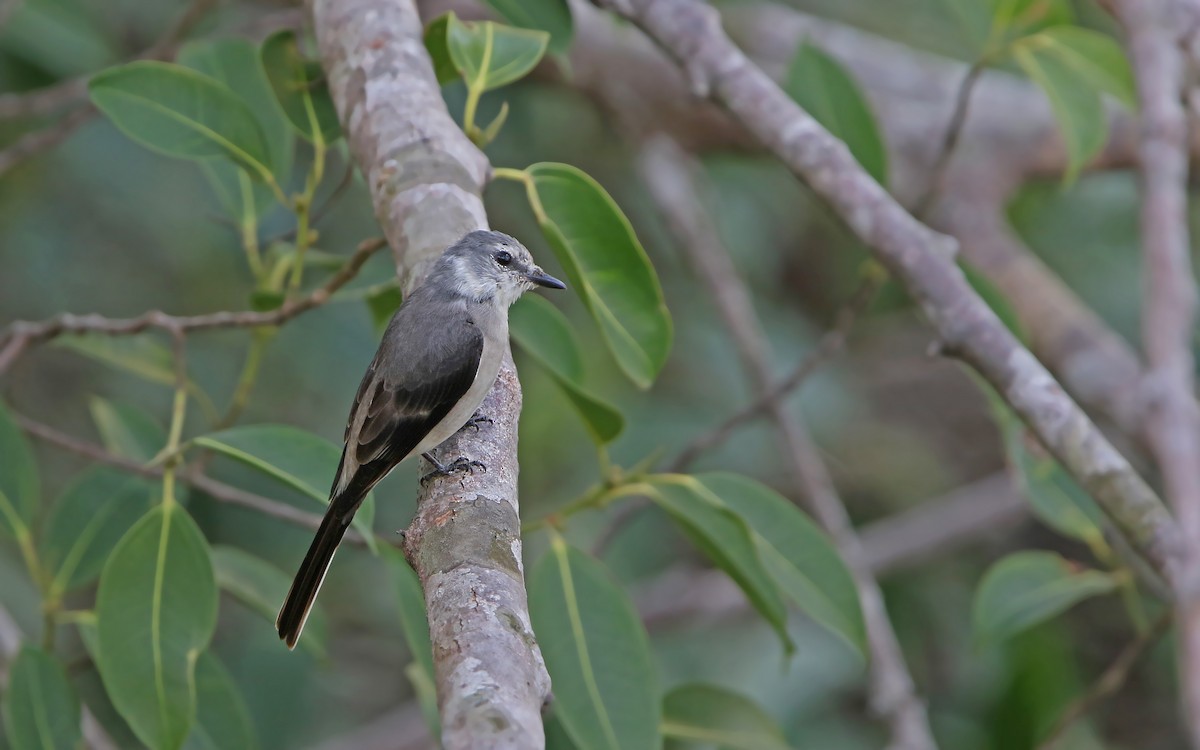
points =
(475, 421)
(456, 466)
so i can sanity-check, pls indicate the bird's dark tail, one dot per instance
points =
(307, 583)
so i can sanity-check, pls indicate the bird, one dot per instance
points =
(437, 360)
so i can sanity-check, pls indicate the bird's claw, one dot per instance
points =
(475, 421)
(454, 467)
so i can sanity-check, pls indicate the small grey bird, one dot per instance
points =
(438, 358)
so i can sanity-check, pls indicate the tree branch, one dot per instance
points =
(918, 257)
(671, 179)
(425, 179)
(22, 334)
(1169, 307)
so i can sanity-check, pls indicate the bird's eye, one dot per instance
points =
(503, 257)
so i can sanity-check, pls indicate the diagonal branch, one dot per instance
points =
(425, 179)
(671, 180)
(1170, 306)
(919, 258)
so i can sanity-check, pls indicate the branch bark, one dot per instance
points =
(1170, 306)
(671, 178)
(425, 179)
(918, 257)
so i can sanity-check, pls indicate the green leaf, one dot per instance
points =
(605, 685)
(18, 477)
(300, 88)
(88, 521)
(126, 430)
(1027, 588)
(705, 716)
(41, 711)
(262, 587)
(490, 55)
(820, 85)
(414, 623)
(726, 539)
(383, 304)
(438, 47)
(550, 16)
(222, 719)
(234, 62)
(178, 112)
(156, 611)
(1016, 18)
(799, 555)
(299, 459)
(545, 334)
(1096, 57)
(606, 264)
(1073, 66)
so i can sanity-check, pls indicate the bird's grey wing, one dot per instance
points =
(401, 400)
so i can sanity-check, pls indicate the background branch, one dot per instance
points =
(666, 170)
(921, 259)
(1169, 307)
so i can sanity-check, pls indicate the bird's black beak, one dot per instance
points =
(541, 278)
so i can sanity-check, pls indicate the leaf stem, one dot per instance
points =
(303, 203)
(249, 225)
(241, 393)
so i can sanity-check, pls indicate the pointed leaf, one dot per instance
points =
(1074, 66)
(383, 304)
(89, 519)
(127, 430)
(490, 55)
(550, 16)
(300, 88)
(18, 477)
(262, 587)
(697, 715)
(178, 112)
(820, 85)
(1027, 588)
(439, 49)
(605, 685)
(156, 610)
(234, 62)
(222, 719)
(606, 265)
(41, 711)
(545, 334)
(299, 459)
(801, 557)
(727, 540)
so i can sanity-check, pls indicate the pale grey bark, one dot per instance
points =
(920, 258)
(425, 179)
(1168, 321)
(671, 178)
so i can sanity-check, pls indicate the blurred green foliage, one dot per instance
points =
(103, 224)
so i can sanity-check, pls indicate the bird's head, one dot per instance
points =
(487, 265)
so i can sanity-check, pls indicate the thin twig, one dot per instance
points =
(950, 138)
(672, 183)
(37, 141)
(1111, 681)
(831, 343)
(22, 334)
(214, 488)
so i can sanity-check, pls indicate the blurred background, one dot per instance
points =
(100, 224)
